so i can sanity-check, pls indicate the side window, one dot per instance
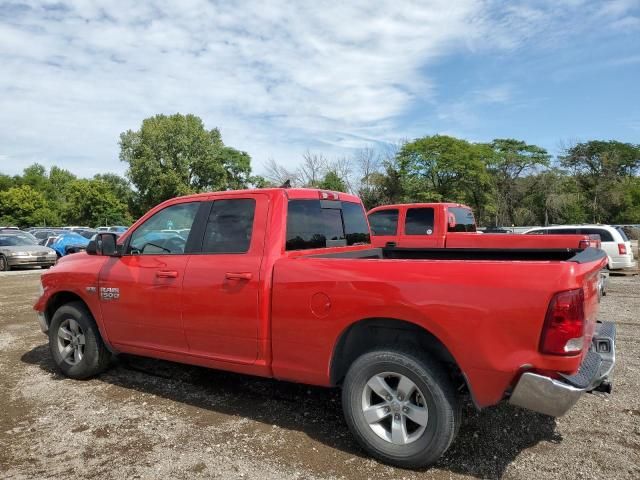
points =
(384, 222)
(562, 231)
(419, 221)
(229, 226)
(537, 232)
(165, 232)
(605, 236)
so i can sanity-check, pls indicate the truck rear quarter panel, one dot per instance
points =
(488, 314)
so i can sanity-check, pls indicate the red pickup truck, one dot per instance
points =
(452, 225)
(284, 283)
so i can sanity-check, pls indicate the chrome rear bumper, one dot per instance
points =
(555, 397)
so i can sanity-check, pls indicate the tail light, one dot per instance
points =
(563, 331)
(622, 249)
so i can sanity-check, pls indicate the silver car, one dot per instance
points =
(19, 250)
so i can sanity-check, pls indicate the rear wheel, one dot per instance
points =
(401, 407)
(75, 343)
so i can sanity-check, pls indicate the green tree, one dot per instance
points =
(331, 181)
(6, 182)
(601, 168)
(442, 168)
(509, 161)
(24, 206)
(93, 203)
(175, 155)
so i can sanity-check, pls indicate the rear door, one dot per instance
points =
(384, 227)
(221, 287)
(419, 229)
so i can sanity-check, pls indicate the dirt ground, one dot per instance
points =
(153, 419)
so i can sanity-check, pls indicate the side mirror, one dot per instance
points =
(103, 244)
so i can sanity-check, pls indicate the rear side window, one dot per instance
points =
(384, 222)
(465, 222)
(536, 232)
(562, 231)
(605, 235)
(419, 221)
(319, 224)
(229, 226)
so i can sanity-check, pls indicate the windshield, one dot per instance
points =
(15, 240)
(465, 222)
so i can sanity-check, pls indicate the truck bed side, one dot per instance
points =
(487, 313)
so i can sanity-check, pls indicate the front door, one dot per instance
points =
(140, 292)
(221, 288)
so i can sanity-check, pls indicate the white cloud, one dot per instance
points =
(277, 77)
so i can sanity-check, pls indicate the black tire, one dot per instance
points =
(438, 394)
(96, 356)
(4, 265)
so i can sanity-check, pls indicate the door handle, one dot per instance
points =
(238, 275)
(167, 274)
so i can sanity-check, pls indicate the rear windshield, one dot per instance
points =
(465, 222)
(326, 223)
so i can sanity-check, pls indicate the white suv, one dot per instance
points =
(614, 241)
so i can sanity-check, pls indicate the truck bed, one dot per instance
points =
(521, 254)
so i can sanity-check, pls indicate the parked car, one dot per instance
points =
(614, 241)
(67, 242)
(17, 230)
(19, 250)
(284, 283)
(42, 234)
(118, 229)
(87, 233)
(453, 225)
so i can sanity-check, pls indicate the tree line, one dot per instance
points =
(506, 181)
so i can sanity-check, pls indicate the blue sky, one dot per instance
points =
(281, 77)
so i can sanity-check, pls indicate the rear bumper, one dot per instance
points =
(555, 397)
(624, 262)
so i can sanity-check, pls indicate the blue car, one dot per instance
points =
(68, 242)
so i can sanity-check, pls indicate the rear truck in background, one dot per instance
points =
(453, 225)
(284, 283)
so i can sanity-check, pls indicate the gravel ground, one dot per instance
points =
(151, 419)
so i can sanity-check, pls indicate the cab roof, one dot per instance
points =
(290, 193)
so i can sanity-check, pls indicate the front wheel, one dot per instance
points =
(75, 342)
(401, 407)
(4, 264)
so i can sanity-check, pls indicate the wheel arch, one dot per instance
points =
(59, 299)
(370, 333)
